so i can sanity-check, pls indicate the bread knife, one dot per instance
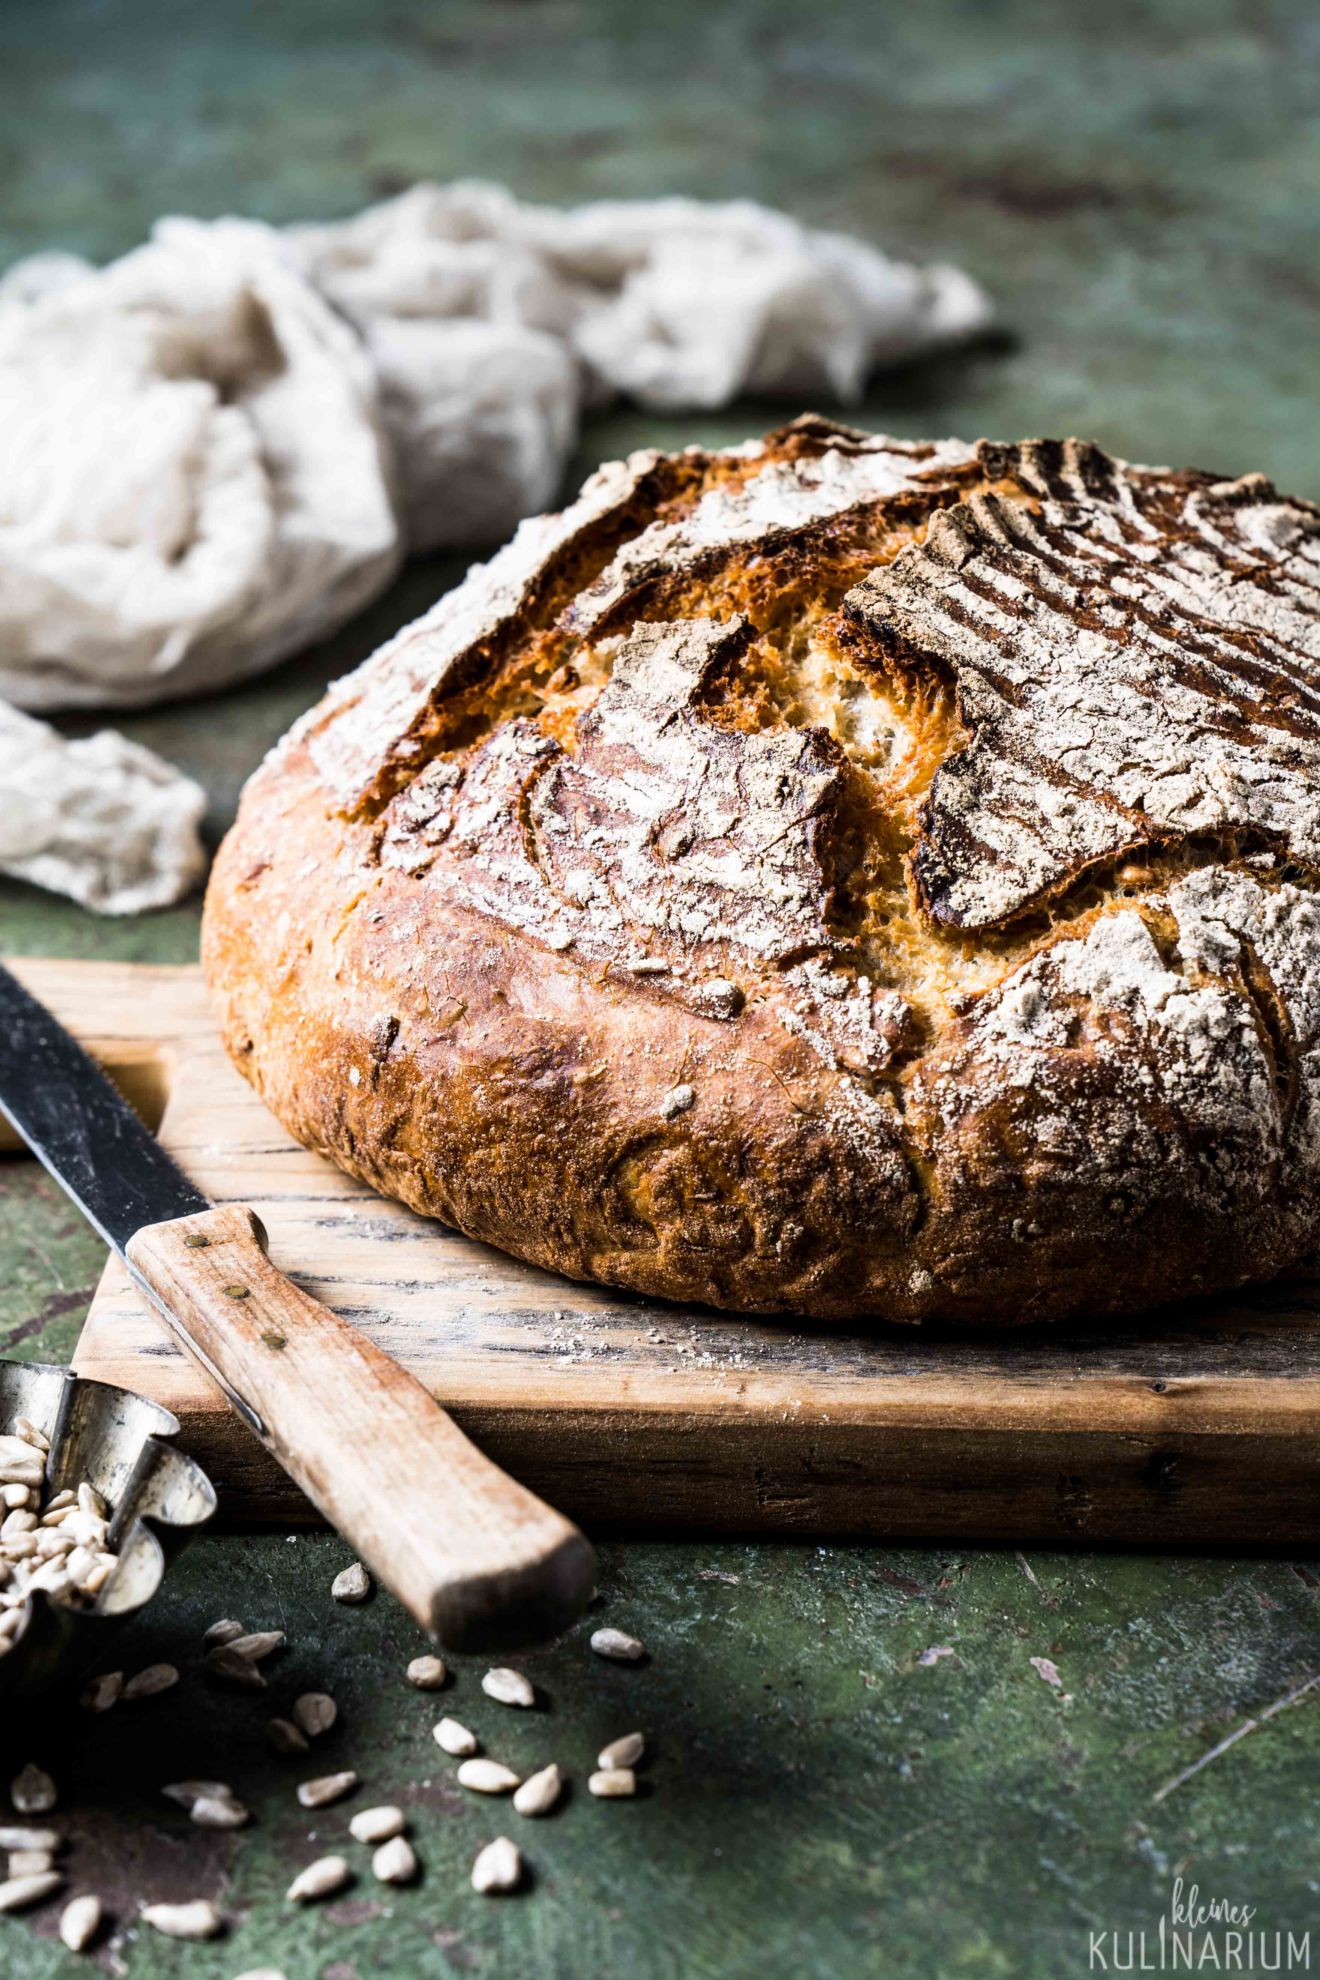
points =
(476, 1558)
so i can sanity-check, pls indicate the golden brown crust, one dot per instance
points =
(838, 876)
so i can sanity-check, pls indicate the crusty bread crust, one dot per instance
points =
(838, 875)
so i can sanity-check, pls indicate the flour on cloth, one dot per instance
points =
(193, 477)
(103, 820)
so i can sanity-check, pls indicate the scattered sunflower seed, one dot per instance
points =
(613, 1782)
(377, 1825)
(262, 1973)
(395, 1862)
(488, 1777)
(227, 1663)
(508, 1688)
(224, 1631)
(625, 1751)
(155, 1678)
(80, 1921)
(539, 1792)
(455, 1739)
(498, 1868)
(188, 1792)
(254, 1647)
(219, 1811)
(197, 1919)
(327, 1788)
(32, 1791)
(320, 1879)
(352, 1585)
(30, 1862)
(315, 1712)
(16, 1893)
(618, 1646)
(17, 1836)
(285, 1737)
(427, 1673)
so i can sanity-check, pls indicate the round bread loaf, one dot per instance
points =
(839, 875)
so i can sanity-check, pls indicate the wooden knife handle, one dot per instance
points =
(477, 1559)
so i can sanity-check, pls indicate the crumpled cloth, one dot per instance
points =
(194, 480)
(219, 447)
(102, 820)
(466, 296)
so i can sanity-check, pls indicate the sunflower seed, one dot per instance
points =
(32, 1791)
(219, 1811)
(18, 1522)
(16, 1893)
(60, 1501)
(227, 1663)
(427, 1673)
(612, 1782)
(16, 1836)
(198, 1919)
(508, 1688)
(625, 1751)
(259, 1644)
(315, 1712)
(539, 1792)
(80, 1921)
(15, 1496)
(155, 1678)
(90, 1500)
(285, 1737)
(262, 1973)
(455, 1739)
(326, 1788)
(394, 1862)
(488, 1777)
(352, 1585)
(617, 1645)
(28, 1431)
(30, 1862)
(103, 1692)
(498, 1868)
(224, 1631)
(320, 1879)
(186, 1793)
(377, 1825)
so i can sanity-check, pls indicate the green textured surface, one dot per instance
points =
(1137, 187)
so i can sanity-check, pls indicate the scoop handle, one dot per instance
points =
(478, 1560)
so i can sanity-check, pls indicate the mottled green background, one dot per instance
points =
(1138, 187)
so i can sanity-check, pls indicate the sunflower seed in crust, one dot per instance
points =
(33, 1791)
(80, 1921)
(618, 1646)
(539, 1792)
(427, 1673)
(260, 1643)
(320, 1879)
(352, 1585)
(455, 1738)
(17, 1893)
(498, 1868)
(613, 1783)
(377, 1825)
(509, 1688)
(395, 1862)
(285, 1737)
(315, 1712)
(625, 1751)
(197, 1919)
(148, 1683)
(488, 1777)
(327, 1788)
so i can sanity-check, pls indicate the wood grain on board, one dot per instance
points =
(1197, 1425)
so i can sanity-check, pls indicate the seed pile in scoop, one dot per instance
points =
(56, 1543)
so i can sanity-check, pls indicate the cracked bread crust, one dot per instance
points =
(839, 875)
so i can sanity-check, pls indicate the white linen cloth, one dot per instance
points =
(218, 448)
(102, 820)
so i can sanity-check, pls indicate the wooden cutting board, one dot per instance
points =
(1197, 1425)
